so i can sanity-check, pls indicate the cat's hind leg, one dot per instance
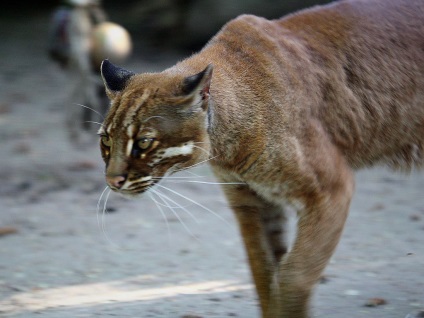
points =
(324, 189)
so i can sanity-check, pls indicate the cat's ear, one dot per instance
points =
(196, 88)
(114, 78)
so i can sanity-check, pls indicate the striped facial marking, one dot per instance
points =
(144, 181)
(109, 128)
(130, 133)
(132, 111)
(184, 150)
(130, 144)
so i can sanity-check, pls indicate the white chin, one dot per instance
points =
(130, 195)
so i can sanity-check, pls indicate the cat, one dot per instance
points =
(286, 110)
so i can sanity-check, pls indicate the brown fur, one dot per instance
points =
(295, 106)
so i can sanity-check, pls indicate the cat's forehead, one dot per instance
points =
(143, 112)
(148, 99)
(136, 114)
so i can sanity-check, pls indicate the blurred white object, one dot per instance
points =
(110, 41)
(80, 38)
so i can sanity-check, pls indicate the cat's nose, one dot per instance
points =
(116, 181)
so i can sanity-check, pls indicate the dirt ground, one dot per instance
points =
(66, 260)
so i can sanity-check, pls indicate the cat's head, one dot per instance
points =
(156, 125)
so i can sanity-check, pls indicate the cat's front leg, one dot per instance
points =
(320, 225)
(250, 210)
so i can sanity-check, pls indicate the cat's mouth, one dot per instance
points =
(134, 188)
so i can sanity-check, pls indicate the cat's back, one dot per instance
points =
(404, 14)
(336, 22)
(354, 29)
(372, 90)
(344, 23)
(355, 65)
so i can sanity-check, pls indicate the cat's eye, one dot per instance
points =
(144, 143)
(106, 141)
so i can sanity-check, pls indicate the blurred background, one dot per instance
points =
(172, 24)
(66, 252)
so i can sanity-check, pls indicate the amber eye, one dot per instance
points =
(106, 141)
(144, 143)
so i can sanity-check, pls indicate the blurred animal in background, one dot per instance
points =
(80, 38)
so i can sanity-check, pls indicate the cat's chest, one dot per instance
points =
(277, 193)
(274, 190)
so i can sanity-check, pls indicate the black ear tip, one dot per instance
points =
(115, 77)
(108, 67)
(190, 83)
(105, 63)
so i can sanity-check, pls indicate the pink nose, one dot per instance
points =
(116, 181)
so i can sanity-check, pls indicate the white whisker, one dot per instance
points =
(193, 174)
(165, 197)
(90, 109)
(98, 206)
(166, 178)
(196, 203)
(104, 223)
(204, 150)
(93, 122)
(104, 213)
(177, 216)
(206, 182)
(196, 164)
(151, 117)
(177, 205)
(161, 212)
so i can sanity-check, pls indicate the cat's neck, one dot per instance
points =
(222, 107)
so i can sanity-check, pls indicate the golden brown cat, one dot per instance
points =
(288, 109)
